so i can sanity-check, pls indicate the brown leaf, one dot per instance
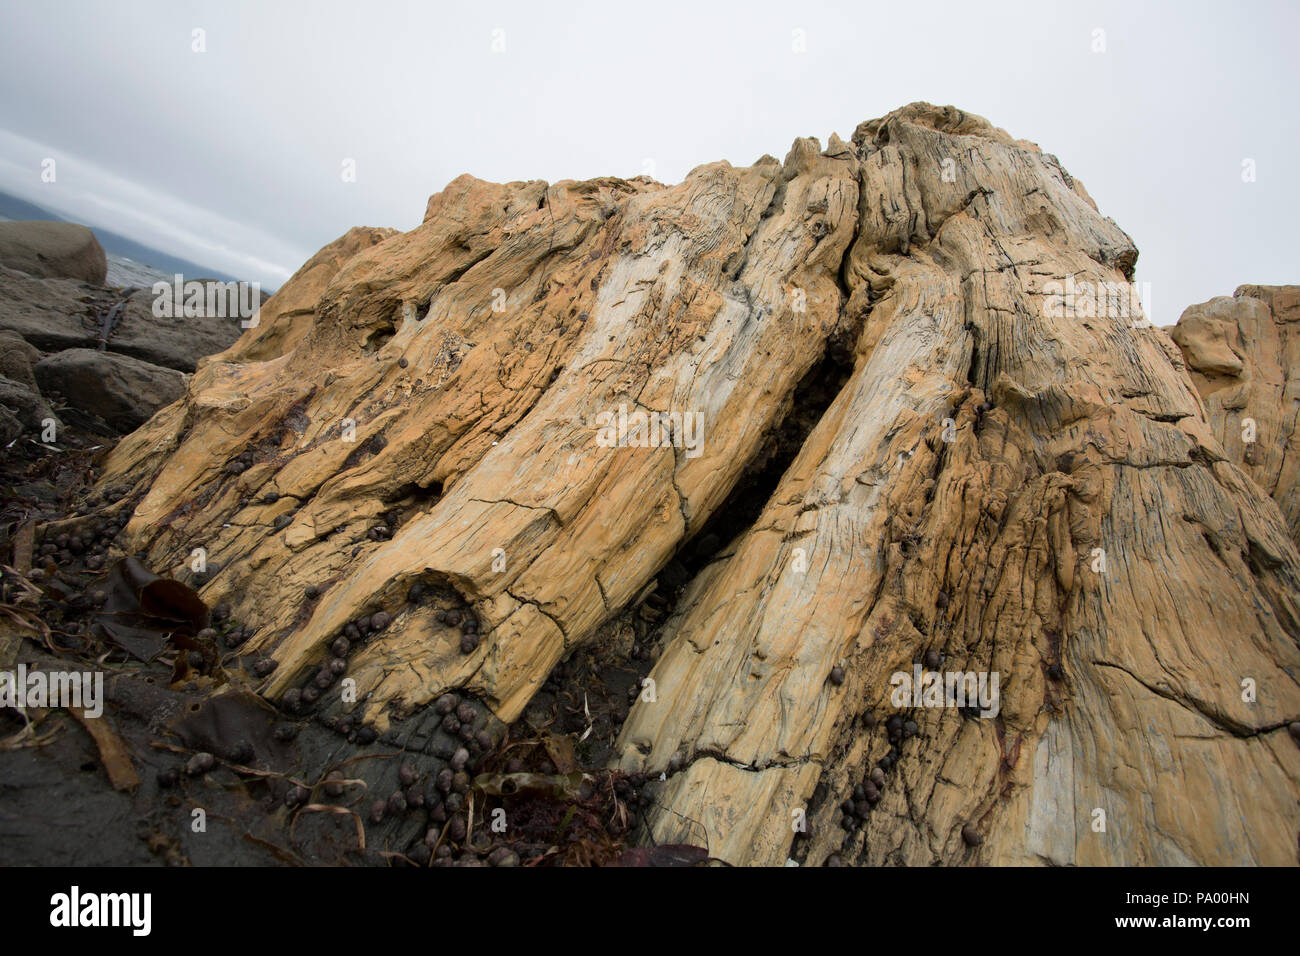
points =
(112, 751)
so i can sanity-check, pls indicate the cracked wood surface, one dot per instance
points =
(474, 353)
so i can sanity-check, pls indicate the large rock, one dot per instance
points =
(55, 314)
(122, 391)
(17, 358)
(934, 461)
(1243, 353)
(53, 250)
(26, 406)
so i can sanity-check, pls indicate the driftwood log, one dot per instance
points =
(917, 452)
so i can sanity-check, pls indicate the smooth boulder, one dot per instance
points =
(122, 391)
(53, 250)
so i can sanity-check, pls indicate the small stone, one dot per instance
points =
(468, 644)
(503, 856)
(460, 782)
(444, 779)
(380, 620)
(466, 713)
(310, 695)
(416, 593)
(837, 676)
(200, 764)
(456, 828)
(450, 724)
(324, 678)
(420, 854)
(933, 659)
(333, 784)
(877, 777)
(396, 804)
(452, 802)
(459, 759)
(207, 634)
(295, 796)
(366, 735)
(402, 362)
(377, 811)
(910, 728)
(241, 752)
(341, 647)
(483, 739)
(285, 732)
(406, 774)
(220, 613)
(872, 792)
(414, 797)
(338, 665)
(445, 704)
(312, 592)
(941, 599)
(971, 835)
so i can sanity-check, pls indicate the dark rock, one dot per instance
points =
(122, 391)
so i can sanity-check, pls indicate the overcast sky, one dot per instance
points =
(233, 157)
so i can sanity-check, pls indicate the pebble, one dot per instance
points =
(377, 811)
(483, 739)
(450, 724)
(877, 776)
(396, 804)
(910, 728)
(971, 835)
(466, 713)
(941, 599)
(503, 856)
(459, 759)
(295, 796)
(207, 634)
(443, 780)
(420, 854)
(366, 735)
(402, 362)
(837, 676)
(341, 647)
(445, 704)
(468, 644)
(933, 659)
(1056, 672)
(333, 786)
(241, 752)
(312, 592)
(200, 764)
(338, 665)
(292, 699)
(380, 620)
